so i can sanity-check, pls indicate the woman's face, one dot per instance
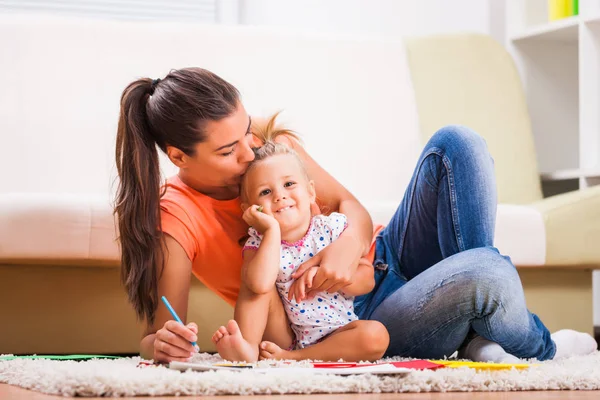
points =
(221, 160)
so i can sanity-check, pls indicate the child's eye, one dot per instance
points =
(288, 184)
(265, 192)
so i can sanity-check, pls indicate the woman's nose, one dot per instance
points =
(246, 155)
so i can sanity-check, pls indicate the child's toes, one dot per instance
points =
(270, 347)
(223, 331)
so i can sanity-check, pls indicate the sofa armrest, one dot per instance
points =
(572, 228)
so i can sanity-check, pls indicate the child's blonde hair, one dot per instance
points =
(267, 131)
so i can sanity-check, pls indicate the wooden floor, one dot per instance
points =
(16, 393)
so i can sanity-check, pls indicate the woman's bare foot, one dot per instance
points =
(231, 344)
(270, 351)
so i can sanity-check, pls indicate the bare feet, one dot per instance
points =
(231, 344)
(270, 351)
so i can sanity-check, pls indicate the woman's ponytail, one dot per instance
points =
(138, 200)
(172, 111)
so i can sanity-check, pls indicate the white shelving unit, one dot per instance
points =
(559, 63)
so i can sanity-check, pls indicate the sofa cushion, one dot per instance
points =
(57, 229)
(520, 231)
(521, 234)
(77, 229)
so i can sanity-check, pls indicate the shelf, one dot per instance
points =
(563, 30)
(575, 173)
(594, 20)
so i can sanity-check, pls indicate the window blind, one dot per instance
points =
(204, 11)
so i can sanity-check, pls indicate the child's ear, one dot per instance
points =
(311, 191)
(244, 207)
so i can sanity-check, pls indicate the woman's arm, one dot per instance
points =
(363, 280)
(167, 340)
(261, 266)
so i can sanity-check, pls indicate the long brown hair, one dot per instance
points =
(157, 113)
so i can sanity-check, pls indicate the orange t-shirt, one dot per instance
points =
(209, 231)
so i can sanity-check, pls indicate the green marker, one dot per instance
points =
(259, 209)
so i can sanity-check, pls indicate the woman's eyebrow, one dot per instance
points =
(233, 143)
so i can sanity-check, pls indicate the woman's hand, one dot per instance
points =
(173, 342)
(301, 286)
(363, 281)
(259, 220)
(337, 264)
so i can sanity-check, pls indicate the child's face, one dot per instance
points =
(280, 186)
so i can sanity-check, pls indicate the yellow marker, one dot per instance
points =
(480, 365)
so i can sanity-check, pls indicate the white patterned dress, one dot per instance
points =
(311, 320)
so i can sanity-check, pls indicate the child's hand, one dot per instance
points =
(259, 220)
(301, 286)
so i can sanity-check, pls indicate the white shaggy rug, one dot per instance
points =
(123, 377)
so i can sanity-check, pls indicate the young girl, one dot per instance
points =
(277, 197)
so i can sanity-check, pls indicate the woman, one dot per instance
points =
(440, 284)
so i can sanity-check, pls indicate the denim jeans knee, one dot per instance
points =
(460, 139)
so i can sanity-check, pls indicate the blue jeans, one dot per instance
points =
(438, 277)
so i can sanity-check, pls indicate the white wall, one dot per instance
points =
(389, 17)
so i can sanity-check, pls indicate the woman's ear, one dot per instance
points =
(176, 156)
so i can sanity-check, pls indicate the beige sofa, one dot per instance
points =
(356, 101)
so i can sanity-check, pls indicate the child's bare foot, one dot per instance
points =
(270, 351)
(231, 344)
